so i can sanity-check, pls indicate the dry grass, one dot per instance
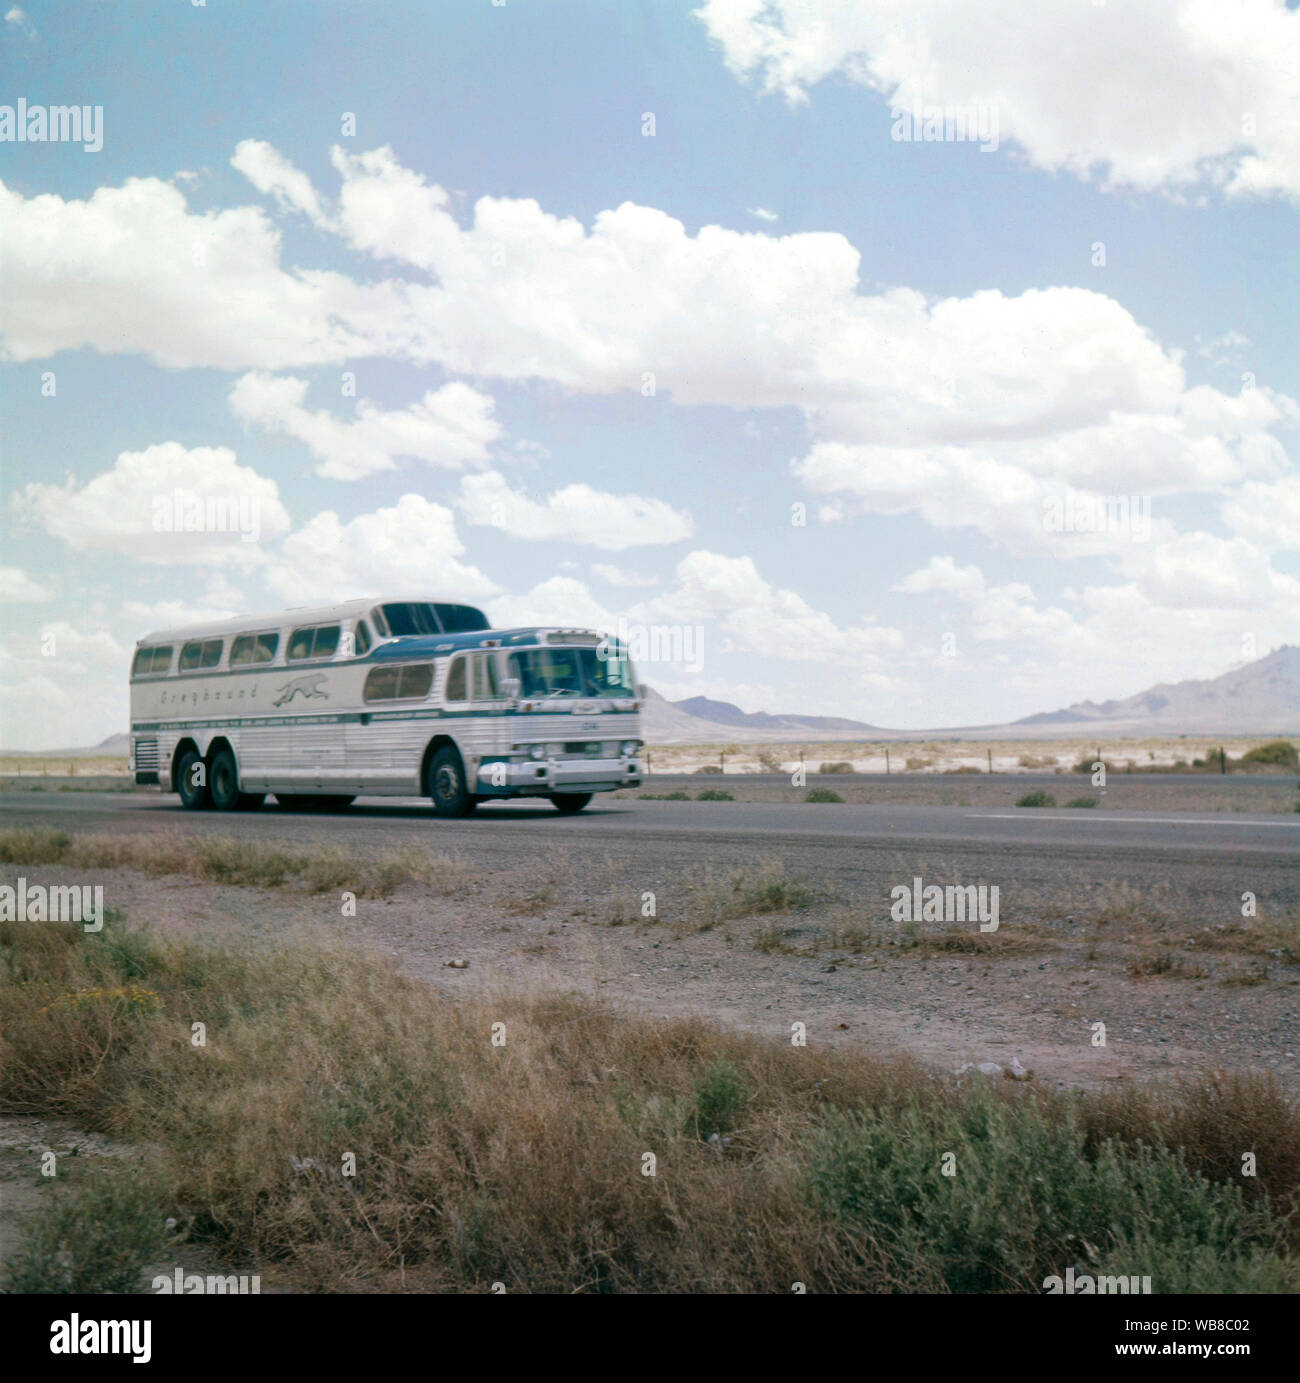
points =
(855, 937)
(524, 1163)
(1275, 937)
(703, 899)
(232, 860)
(1165, 965)
(86, 766)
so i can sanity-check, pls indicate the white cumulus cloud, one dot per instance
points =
(1149, 94)
(449, 428)
(409, 548)
(167, 504)
(575, 514)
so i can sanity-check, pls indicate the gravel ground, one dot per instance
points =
(839, 965)
(547, 901)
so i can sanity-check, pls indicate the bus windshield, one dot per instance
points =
(559, 672)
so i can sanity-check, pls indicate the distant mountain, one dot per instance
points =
(114, 744)
(724, 713)
(699, 720)
(1256, 698)
(1259, 698)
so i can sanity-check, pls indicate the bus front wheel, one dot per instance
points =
(447, 787)
(568, 802)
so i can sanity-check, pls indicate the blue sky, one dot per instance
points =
(914, 340)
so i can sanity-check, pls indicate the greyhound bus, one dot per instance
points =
(382, 697)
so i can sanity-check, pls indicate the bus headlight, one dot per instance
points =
(555, 750)
(629, 747)
(537, 751)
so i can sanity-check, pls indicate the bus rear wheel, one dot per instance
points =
(447, 787)
(223, 781)
(569, 802)
(192, 785)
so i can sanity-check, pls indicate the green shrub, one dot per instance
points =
(94, 1235)
(822, 795)
(721, 1098)
(1082, 802)
(769, 890)
(1036, 799)
(714, 795)
(1027, 1198)
(1280, 752)
(519, 1163)
(839, 766)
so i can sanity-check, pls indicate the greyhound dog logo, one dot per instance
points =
(308, 687)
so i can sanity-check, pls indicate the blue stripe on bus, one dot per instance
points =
(347, 717)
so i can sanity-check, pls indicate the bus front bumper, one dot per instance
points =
(540, 777)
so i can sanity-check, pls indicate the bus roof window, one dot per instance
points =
(407, 617)
(461, 619)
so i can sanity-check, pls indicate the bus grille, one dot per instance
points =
(146, 755)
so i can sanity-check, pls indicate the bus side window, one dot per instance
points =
(300, 645)
(327, 640)
(485, 677)
(162, 659)
(455, 689)
(415, 680)
(190, 655)
(266, 646)
(381, 684)
(211, 653)
(361, 644)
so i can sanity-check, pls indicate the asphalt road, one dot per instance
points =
(1200, 861)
